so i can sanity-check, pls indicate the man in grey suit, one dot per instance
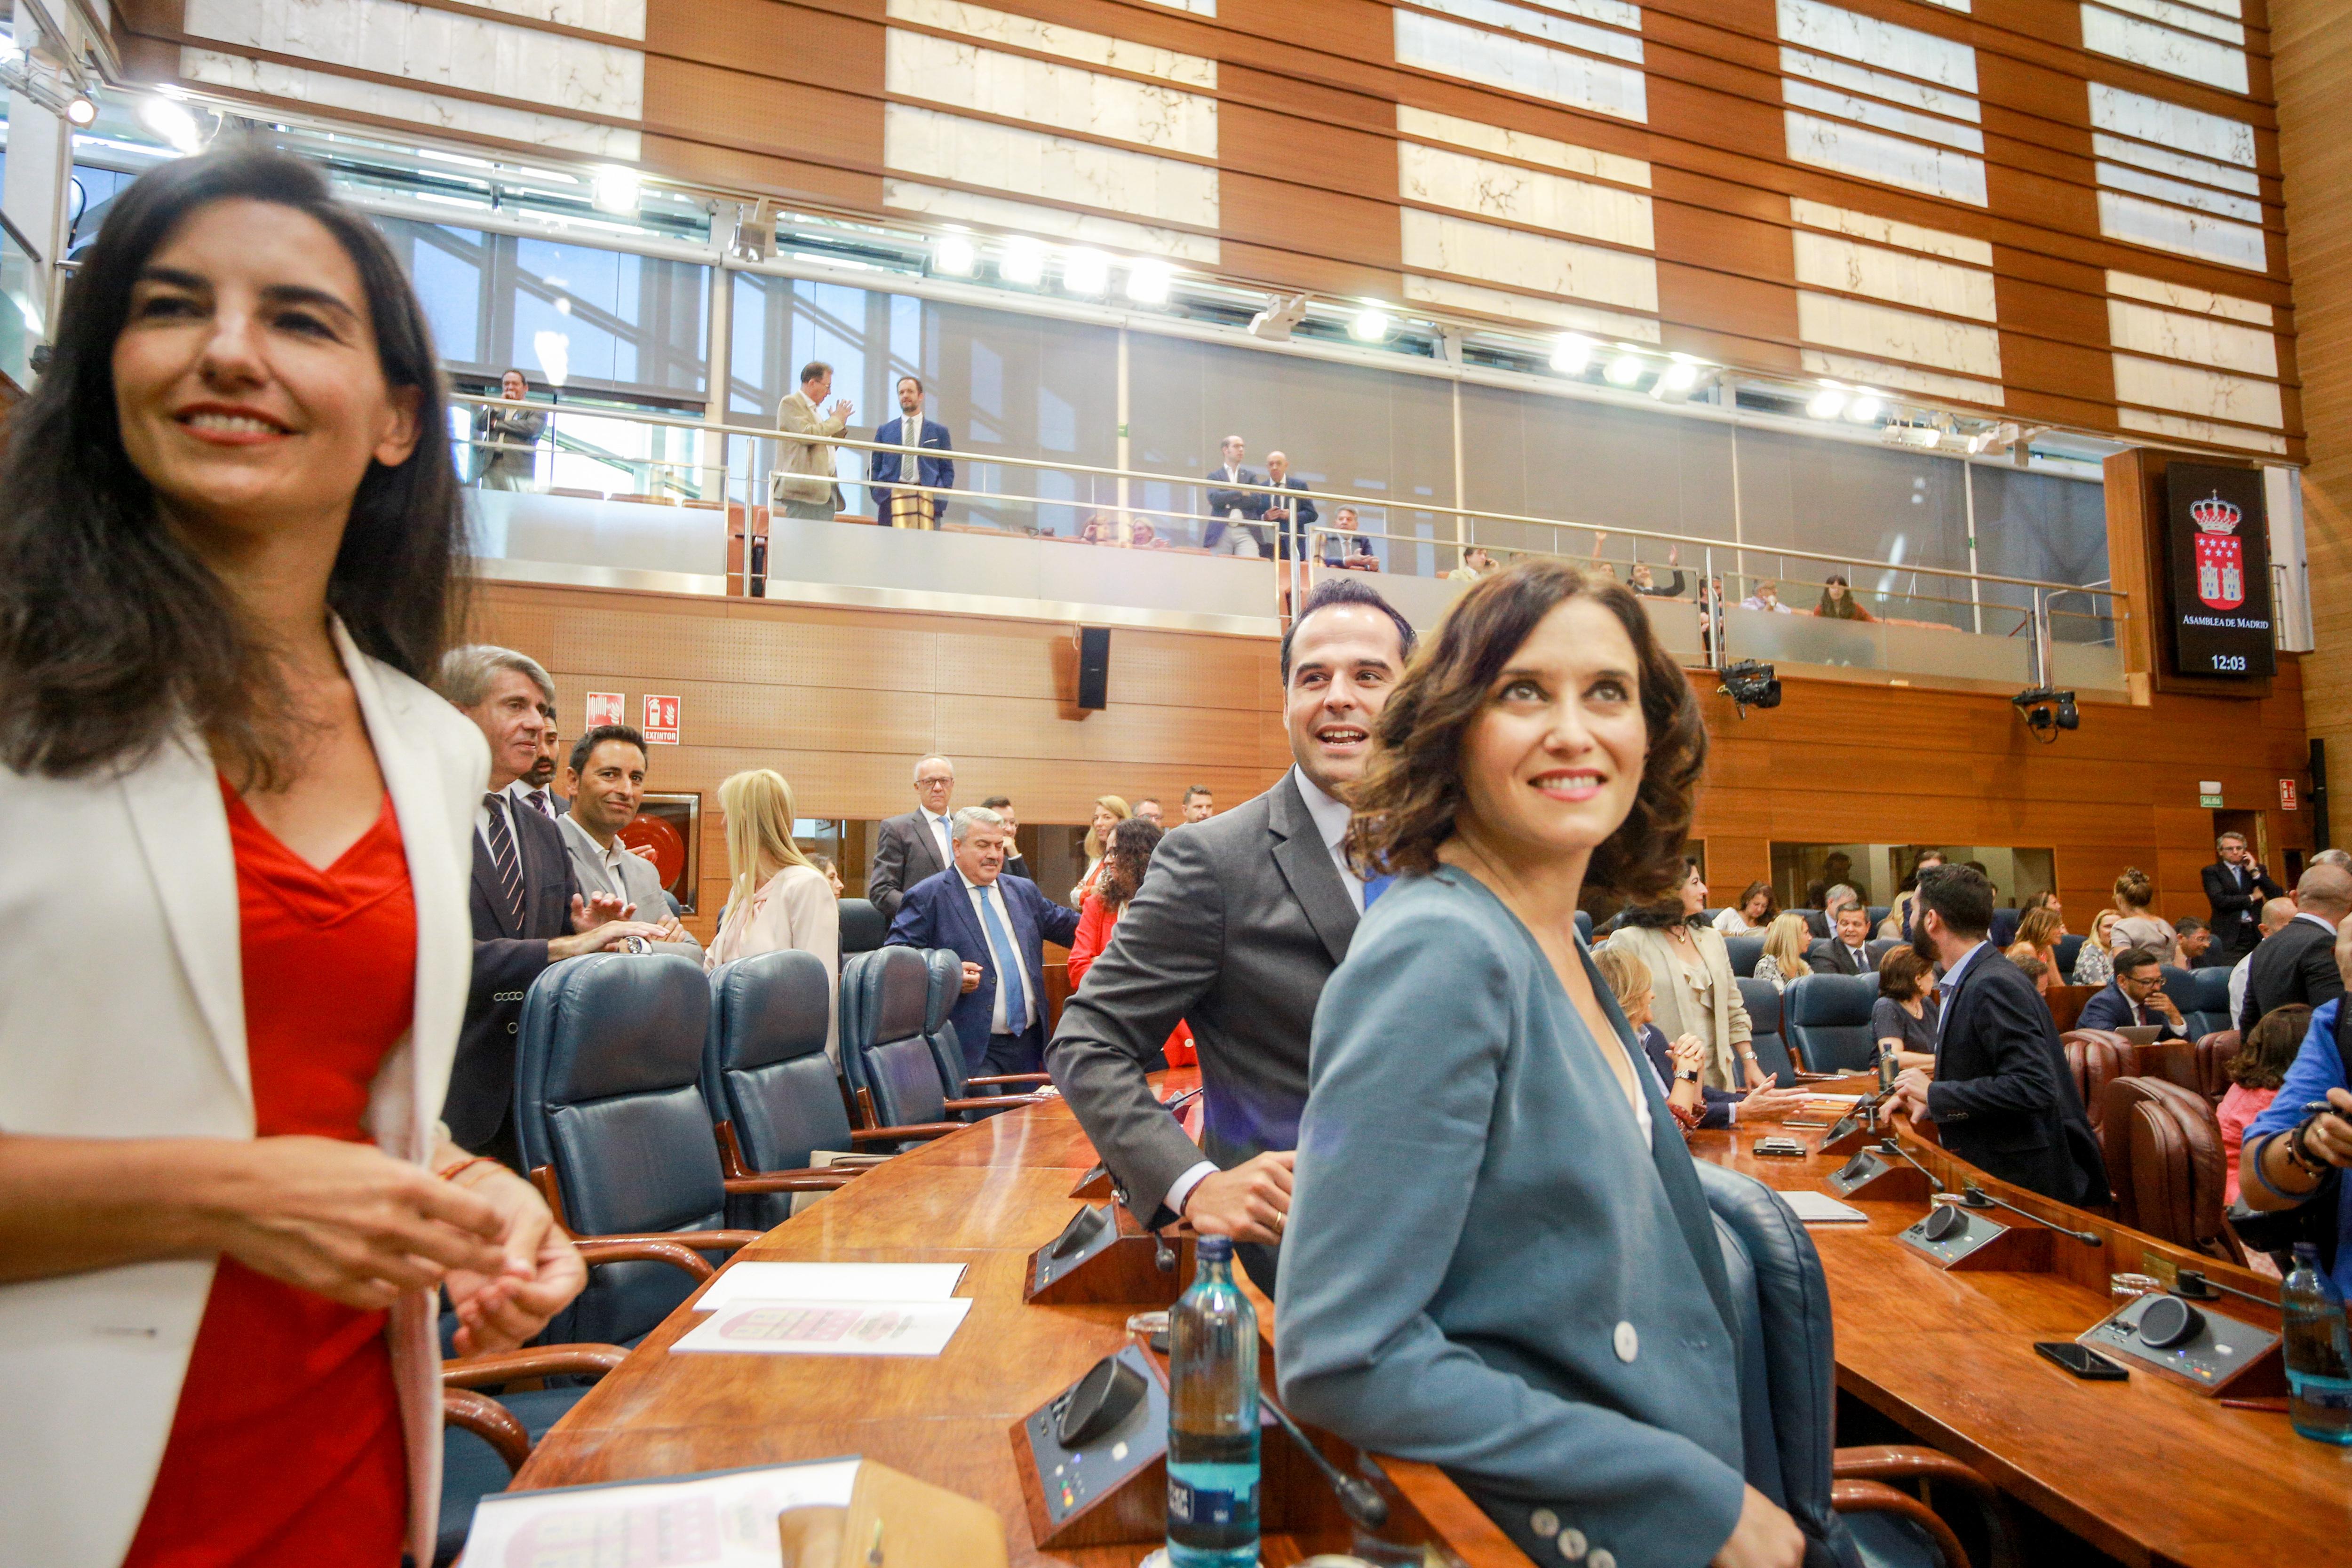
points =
(606, 777)
(1239, 921)
(918, 845)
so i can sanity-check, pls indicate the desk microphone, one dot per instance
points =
(1887, 1145)
(1176, 1102)
(2193, 1284)
(1976, 1197)
(1359, 1499)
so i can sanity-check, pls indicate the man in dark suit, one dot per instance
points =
(998, 924)
(1014, 866)
(526, 904)
(911, 433)
(2000, 1094)
(1232, 508)
(1847, 953)
(2134, 998)
(2297, 963)
(1289, 519)
(2236, 885)
(908, 849)
(1239, 921)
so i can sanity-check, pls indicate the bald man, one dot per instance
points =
(2276, 912)
(2298, 963)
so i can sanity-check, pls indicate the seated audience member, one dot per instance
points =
(1753, 912)
(605, 778)
(1785, 941)
(1200, 804)
(1148, 810)
(2001, 1095)
(2096, 963)
(1098, 530)
(1110, 812)
(1639, 577)
(2040, 973)
(1469, 1074)
(2037, 938)
(1902, 1019)
(1837, 603)
(1681, 1065)
(1476, 563)
(1899, 915)
(2136, 925)
(1837, 867)
(776, 897)
(2276, 912)
(2195, 940)
(999, 925)
(832, 875)
(1701, 995)
(1131, 844)
(2290, 1152)
(2255, 1074)
(1767, 597)
(2298, 964)
(1013, 863)
(1846, 953)
(2134, 998)
(1353, 555)
(245, 825)
(1141, 535)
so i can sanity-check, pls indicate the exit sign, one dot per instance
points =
(2209, 793)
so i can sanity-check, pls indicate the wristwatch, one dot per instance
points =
(1689, 1074)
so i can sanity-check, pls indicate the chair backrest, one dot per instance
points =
(1877, 948)
(1763, 1004)
(1827, 1019)
(2165, 1163)
(608, 1098)
(1584, 926)
(765, 1072)
(946, 967)
(1786, 1352)
(1744, 951)
(2203, 998)
(864, 927)
(2004, 927)
(1879, 912)
(2094, 1058)
(885, 1000)
(2069, 949)
(1818, 922)
(2213, 1054)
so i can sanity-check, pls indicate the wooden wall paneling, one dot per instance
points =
(757, 113)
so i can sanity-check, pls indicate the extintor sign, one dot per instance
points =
(2218, 536)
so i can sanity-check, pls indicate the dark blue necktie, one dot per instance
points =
(1374, 887)
(1008, 965)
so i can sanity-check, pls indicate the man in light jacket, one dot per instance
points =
(607, 780)
(802, 485)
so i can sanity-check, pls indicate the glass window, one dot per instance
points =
(1876, 504)
(2040, 525)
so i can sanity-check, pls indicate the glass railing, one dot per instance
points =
(620, 497)
(23, 308)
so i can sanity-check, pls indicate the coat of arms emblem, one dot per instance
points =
(2220, 553)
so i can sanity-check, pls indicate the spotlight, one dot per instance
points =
(1149, 282)
(1024, 260)
(2046, 712)
(1275, 322)
(1677, 381)
(1751, 683)
(1625, 370)
(1827, 403)
(1086, 272)
(82, 111)
(1573, 355)
(614, 189)
(954, 257)
(1865, 407)
(1369, 326)
(173, 124)
(755, 235)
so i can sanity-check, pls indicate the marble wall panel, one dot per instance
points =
(1899, 277)
(982, 24)
(459, 116)
(2182, 232)
(2176, 165)
(433, 48)
(1520, 65)
(1851, 77)
(621, 18)
(2181, 297)
(2185, 429)
(965, 75)
(1550, 25)
(1849, 34)
(1448, 294)
(1904, 336)
(1435, 242)
(1871, 155)
(1526, 146)
(1900, 377)
(2167, 124)
(1035, 163)
(2180, 192)
(1889, 231)
(1022, 218)
(1198, 7)
(2176, 334)
(1458, 180)
(2200, 393)
(2162, 45)
(1883, 116)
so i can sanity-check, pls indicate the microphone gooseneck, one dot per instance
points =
(1357, 1499)
(1887, 1145)
(1976, 1197)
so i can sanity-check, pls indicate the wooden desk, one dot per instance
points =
(2149, 1471)
(985, 1197)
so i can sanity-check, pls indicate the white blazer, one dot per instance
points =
(122, 1016)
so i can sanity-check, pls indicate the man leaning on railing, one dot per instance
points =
(505, 439)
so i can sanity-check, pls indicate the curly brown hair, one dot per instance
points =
(2133, 888)
(1406, 802)
(2270, 1049)
(1131, 844)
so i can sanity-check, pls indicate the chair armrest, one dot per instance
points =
(535, 1361)
(994, 1102)
(1013, 1078)
(491, 1422)
(1887, 1462)
(679, 1249)
(903, 1134)
(1878, 1497)
(859, 1162)
(791, 1181)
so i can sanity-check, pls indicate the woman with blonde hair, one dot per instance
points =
(1785, 941)
(2096, 964)
(776, 897)
(2037, 936)
(1110, 812)
(2136, 925)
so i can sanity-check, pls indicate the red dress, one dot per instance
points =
(1096, 922)
(287, 1449)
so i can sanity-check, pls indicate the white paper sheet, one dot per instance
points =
(724, 1520)
(1848, 1101)
(1814, 1207)
(828, 1328)
(832, 1282)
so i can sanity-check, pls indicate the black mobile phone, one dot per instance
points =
(2082, 1360)
(1785, 1147)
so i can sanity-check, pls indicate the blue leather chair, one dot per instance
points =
(885, 1051)
(862, 927)
(1818, 922)
(1763, 1004)
(946, 1047)
(1786, 1356)
(1744, 951)
(485, 1439)
(1878, 948)
(2069, 949)
(2203, 998)
(1827, 1021)
(614, 1131)
(1879, 912)
(2004, 927)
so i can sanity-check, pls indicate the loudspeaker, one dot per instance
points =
(1094, 668)
(2319, 836)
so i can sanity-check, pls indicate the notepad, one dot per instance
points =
(827, 1328)
(831, 1282)
(727, 1519)
(1815, 1208)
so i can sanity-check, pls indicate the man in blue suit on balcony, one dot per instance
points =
(998, 924)
(915, 438)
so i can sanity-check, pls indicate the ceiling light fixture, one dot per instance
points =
(1086, 272)
(1573, 355)
(615, 190)
(954, 256)
(1827, 402)
(1149, 282)
(1625, 370)
(1867, 406)
(82, 111)
(1024, 261)
(1371, 325)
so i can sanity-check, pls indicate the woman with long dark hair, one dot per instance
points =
(1498, 1257)
(238, 946)
(1123, 865)
(1837, 603)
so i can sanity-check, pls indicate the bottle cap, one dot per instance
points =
(1214, 1248)
(2304, 1252)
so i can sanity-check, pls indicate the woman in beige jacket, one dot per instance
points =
(777, 899)
(1696, 992)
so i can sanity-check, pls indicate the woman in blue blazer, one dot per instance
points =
(1498, 1258)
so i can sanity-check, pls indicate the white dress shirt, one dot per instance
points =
(482, 818)
(2239, 973)
(1951, 980)
(1010, 970)
(942, 833)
